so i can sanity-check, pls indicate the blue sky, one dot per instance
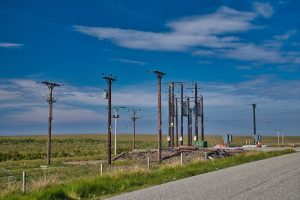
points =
(239, 52)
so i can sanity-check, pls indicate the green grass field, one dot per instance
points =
(18, 153)
(98, 187)
(94, 146)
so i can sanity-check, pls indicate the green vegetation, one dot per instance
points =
(67, 146)
(18, 153)
(119, 182)
(16, 148)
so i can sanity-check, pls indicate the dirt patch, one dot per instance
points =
(171, 155)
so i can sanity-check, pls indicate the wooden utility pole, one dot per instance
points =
(191, 126)
(134, 118)
(196, 111)
(109, 79)
(202, 118)
(254, 123)
(176, 119)
(50, 100)
(188, 121)
(173, 114)
(169, 115)
(159, 76)
(181, 116)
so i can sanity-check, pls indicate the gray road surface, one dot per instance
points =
(274, 178)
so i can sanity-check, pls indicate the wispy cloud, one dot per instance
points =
(10, 45)
(244, 67)
(184, 34)
(203, 35)
(22, 102)
(264, 9)
(61, 115)
(285, 36)
(129, 61)
(252, 52)
(224, 20)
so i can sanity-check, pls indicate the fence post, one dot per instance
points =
(101, 169)
(148, 163)
(24, 181)
(205, 155)
(181, 162)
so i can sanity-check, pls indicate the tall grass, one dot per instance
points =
(120, 182)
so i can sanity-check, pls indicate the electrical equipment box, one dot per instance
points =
(105, 94)
(202, 144)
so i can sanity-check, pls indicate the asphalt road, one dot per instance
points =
(274, 178)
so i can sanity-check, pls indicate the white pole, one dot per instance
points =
(116, 123)
(101, 169)
(278, 138)
(148, 163)
(282, 142)
(181, 162)
(24, 182)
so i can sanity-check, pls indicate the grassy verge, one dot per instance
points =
(120, 182)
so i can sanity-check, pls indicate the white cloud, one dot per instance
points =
(129, 61)
(285, 36)
(204, 62)
(85, 104)
(10, 45)
(184, 34)
(224, 20)
(252, 52)
(169, 41)
(244, 67)
(203, 53)
(60, 116)
(7, 94)
(264, 9)
(203, 35)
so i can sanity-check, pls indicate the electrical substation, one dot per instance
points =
(184, 106)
